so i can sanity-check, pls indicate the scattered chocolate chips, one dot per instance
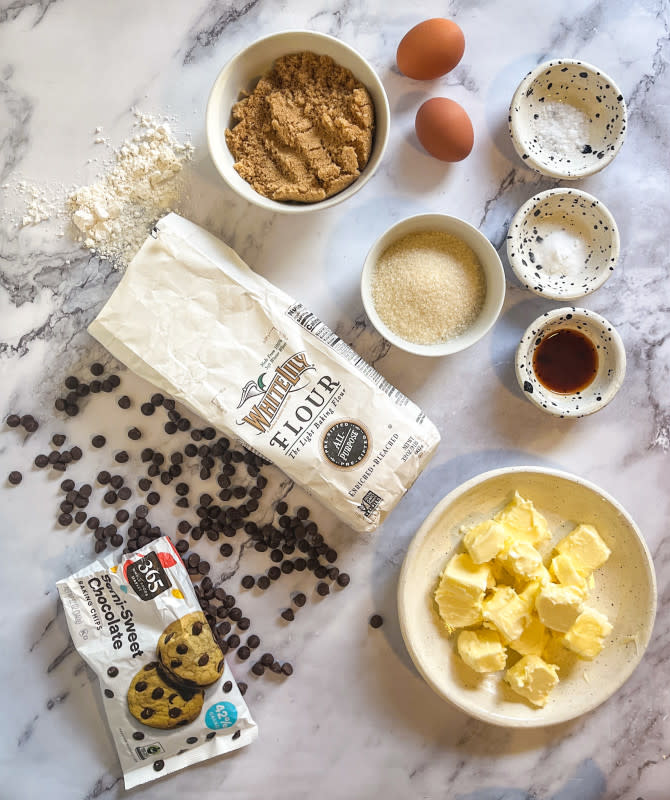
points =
(343, 579)
(288, 615)
(287, 668)
(13, 420)
(376, 621)
(15, 477)
(300, 599)
(258, 669)
(322, 589)
(121, 457)
(124, 401)
(147, 409)
(134, 434)
(98, 441)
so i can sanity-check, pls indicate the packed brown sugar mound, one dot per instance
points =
(305, 132)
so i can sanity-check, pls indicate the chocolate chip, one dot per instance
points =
(175, 662)
(276, 667)
(258, 669)
(104, 477)
(203, 660)
(242, 687)
(376, 621)
(244, 624)
(106, 385)
(65, 519)
(210, 735)
(223, 628)
(110, 497)
(233, 640)
(274, 573)
(227, 687)
(267, 659)
(235, 614)
(174, 713)
(196, 629)
(153, 498)
(13, 420)
(322, 589)
(109, 693)
(140, 686)
(300, 599)
(124, 401)
(181, 489)
(141, 512)
(134, 434)
(112, 672)
(80, 517)
(287, 668)
(96, 368)
(15, 478)
(58, 439)
(115, 381)
(169, 403)
(41, 461)
(288, 615)
(124, 493)
(116, 540)
(147, 409)
(343, 579)
(182, 649)
(204, 567)
(263, 582)
(144, 484)
(116, 481)
(158, 765)
(157, 693)
(138, 736)
(157, 399)
(95, 387)
(121, 457)
(226, 550)
(71, 382)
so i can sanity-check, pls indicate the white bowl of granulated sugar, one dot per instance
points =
(433, 285)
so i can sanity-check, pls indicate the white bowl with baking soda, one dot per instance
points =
(304, 123)
(433, 285)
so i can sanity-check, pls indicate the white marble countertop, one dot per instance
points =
(355, 720)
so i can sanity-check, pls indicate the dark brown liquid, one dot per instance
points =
(565, 361)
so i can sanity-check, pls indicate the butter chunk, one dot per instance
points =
(532, 678)
(463, 570)
(533, 640)
(587, 635)
(558, 606)
(459, 605)
(585, 548)
(564, 569)
(507, 611)
(482, 650)
(485, 541)
(554, 650)
(526, 522)
(522, 560)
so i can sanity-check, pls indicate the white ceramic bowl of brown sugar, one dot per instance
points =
(433, 285)
(242, 73)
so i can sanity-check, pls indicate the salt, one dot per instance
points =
(561, 128)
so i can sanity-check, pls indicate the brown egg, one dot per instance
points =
(431, 49)
(444, 129)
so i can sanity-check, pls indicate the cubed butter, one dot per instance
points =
(522, 560)
(482, 650)
(485, 540)
(585, 548)
(587, 635)
(532, 678)
(526, 522)
(505, 609)
(533, 640)
(459, 605)
(564, 569)
(530, 592)
(558, 606)
(554, 651)
(463, 570)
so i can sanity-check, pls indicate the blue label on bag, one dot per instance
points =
(221, 715)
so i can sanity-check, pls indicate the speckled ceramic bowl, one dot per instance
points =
(610, 371)
(567, 119)
(625, 590)
(563, 244)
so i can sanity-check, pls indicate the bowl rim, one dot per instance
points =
(385, 239)
(381, 132)
(513, 125)
(524, 211)
(429, 522)
(526, 345)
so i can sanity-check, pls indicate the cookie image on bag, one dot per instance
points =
(157, 702)
(188, 652)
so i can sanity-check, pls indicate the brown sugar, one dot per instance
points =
(305, 132)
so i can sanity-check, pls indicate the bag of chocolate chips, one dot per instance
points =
(170, 698)
(192, 318)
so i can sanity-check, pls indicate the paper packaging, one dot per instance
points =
(116, 609)
(193, 319)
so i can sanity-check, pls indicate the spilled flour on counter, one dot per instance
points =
(139, 184)
(113, 216)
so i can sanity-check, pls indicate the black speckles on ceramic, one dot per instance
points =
(611, 363)
(587, 89)
(574, 212)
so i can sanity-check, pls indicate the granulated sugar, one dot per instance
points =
(428, 287)
(113, 216)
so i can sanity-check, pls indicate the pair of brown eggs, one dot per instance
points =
(428, 51)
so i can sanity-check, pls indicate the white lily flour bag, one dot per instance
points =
(193, 319)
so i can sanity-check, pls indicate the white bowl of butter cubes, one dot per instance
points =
(527, 597)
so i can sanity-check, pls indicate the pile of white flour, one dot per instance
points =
(113, 216)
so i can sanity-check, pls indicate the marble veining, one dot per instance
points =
(356, 719)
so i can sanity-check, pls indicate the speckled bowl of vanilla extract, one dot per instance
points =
(570, 362)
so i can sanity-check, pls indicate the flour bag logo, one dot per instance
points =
(287, 378)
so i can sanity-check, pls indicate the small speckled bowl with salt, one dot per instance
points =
(563, 244)
(567, 119)
(611, 368)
